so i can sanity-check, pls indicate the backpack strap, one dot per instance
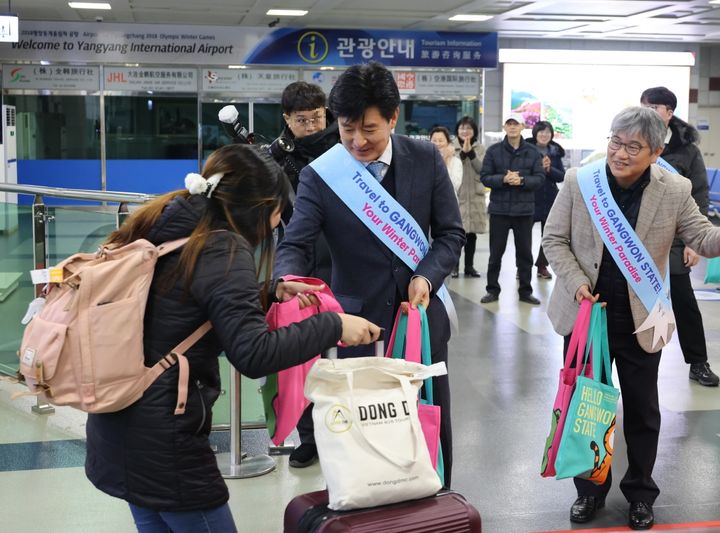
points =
(177, 355)
(171, 246)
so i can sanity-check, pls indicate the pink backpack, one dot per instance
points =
(283, 393)
(85, 347)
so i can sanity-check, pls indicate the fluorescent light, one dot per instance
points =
(717, 2)
(471, 18)
(595, 57)
(90, 5)
(286, 12)
(237, 66)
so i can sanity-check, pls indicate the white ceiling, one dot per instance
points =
(694, 21)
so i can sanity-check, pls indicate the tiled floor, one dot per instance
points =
(503, 369)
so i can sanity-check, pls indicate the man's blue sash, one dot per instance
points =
(627, 250)
(667, 166)
(378, 211)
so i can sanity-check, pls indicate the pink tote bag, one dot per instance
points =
(283, 393)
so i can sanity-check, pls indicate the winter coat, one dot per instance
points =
(512, 200)
(151, 457)
(684, 155)
(306, 150)
(471, 195)
(545, 197)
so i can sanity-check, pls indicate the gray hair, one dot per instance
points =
(641, 121)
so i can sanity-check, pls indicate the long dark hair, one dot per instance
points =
(252, 188)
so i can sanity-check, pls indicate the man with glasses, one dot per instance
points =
(314, 131)
(608, 238)
(682, 153)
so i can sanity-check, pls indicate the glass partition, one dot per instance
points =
(151, 142)
(58, 141)
(268, 122)
(418, 117)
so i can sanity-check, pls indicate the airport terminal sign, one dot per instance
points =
(225, 45)
(51, 77)
(265, 82)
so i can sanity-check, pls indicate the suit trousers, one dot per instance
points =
(688, 319)
(541, 259)
(500, 226)
(470, 244)
(638, 373)
(441, 397)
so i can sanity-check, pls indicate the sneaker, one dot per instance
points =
(489, 298)
(455, 274)
(701, 373)
(304, 456)
(544, 273)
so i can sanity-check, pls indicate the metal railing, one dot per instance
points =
(233, 464)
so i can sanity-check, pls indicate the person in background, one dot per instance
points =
(552, 154)
(471, 195)
(160, 463)
(682, 153)
(652, 206)
(369, 278)
(314, 131)
(440, 137)
(513, 170)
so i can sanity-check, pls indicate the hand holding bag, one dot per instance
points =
(282, 393)
(566, 386)
(371, 448)
(586, 446)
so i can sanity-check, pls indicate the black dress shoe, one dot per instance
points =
(489, 298)
(701, 373)
(529, 299)
(303, 456)
(584, 509)
(640, 515)
(472, 273)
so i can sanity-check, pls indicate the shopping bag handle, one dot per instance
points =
(388, 452)
(578, 338)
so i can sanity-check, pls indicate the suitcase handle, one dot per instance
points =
(379, 344)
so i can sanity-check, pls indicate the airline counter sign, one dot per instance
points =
(50, 77)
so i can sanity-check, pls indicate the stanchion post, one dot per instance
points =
(233, 465)
(40, 217)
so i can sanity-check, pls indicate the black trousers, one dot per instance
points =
(441, 397)
(500, 226)
(688, 319)
(541, 259)
(470, 244)
(637, 372)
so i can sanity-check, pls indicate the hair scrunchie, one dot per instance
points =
(196, 184)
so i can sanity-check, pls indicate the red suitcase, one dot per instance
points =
(448, 512)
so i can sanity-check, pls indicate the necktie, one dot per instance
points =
(375, 168)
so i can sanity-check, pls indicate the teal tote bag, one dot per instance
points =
(586, 445)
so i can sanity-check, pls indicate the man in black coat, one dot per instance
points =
(513, 169)
(682, 153)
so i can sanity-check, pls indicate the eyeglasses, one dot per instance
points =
(632, 148)
(302, 121)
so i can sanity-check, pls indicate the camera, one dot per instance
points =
(229, 117)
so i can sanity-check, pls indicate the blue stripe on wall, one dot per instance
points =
(66, 173)
(148, 175)
(127, 175)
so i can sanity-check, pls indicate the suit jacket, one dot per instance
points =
(367, 278)
(574, 248)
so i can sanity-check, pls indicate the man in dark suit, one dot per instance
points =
(368, 279)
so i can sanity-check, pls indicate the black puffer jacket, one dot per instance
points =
(545, 196)
(684, 155)
(507, 199)
(145, 454)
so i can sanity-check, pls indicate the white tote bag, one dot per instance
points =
(371, 447)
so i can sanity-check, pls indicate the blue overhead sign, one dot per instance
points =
(288, 46)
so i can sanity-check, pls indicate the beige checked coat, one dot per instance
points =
(574, 248)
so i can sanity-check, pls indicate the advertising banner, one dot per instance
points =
(73, 78)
